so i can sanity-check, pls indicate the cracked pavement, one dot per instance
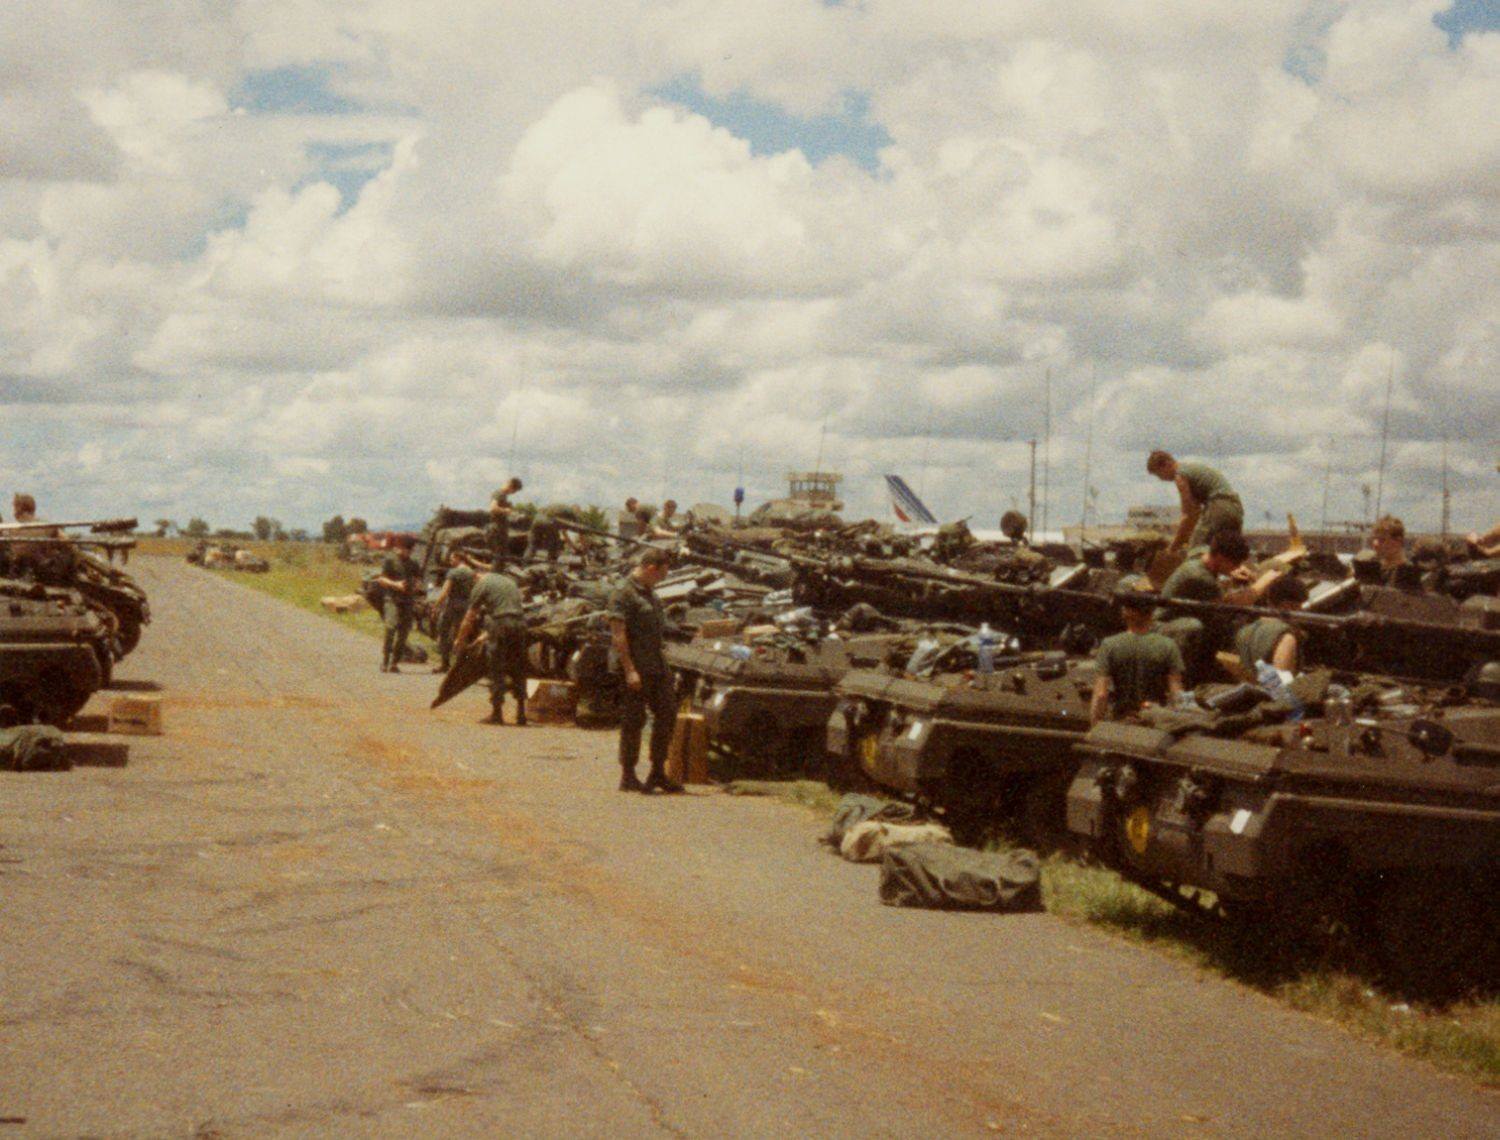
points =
(315, 908)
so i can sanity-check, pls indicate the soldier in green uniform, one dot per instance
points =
(451, 605)
(1209, 503)
(546, 536)
(1135, 668)
(401, 581)
(1198, 580)
(498, 532)
(496, 605)
(637, 628)
(1270, 639)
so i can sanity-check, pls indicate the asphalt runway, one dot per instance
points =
(315, 908)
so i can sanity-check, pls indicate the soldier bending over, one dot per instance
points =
(1209, 503)
(496, 605)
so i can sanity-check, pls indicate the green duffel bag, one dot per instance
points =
(944, 877)
(32, 748)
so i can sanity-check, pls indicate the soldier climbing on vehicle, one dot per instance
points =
(1209, 503)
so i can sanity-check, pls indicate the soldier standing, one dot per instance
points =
(637, 626)
(1137, 667)
(451, 604)
(629, 526)
(1209, 503)
(401, 580)
(496, 605)
(498, 532)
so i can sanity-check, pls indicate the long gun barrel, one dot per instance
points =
(96, 526)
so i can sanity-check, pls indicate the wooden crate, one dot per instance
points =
(687, 756)
(135, 715)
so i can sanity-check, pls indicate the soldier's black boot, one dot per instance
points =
(521, 711)
(629, 782)
(497, 715)
(658, 781)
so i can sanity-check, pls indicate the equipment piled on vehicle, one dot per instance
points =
(1361, 800)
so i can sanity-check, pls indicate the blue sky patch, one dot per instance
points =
(770, 129)
(290, 91)
(346, 166)
(1468, 16)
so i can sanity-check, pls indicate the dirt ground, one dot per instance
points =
(313, 907)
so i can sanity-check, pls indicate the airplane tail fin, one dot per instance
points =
(906, 506)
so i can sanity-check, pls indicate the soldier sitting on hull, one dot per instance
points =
(401, 580)
(498, 532)
(1209, 503)
(496, 605)
(1197, 580)
(666, 524)
(1269, 639)
(1135, 668)
(1486, 545)
(451, 604)
(1385, 563)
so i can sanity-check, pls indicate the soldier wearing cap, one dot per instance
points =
(401, 580)
(1209, 503)
(637, 628)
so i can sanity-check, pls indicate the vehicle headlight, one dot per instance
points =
(914, 733)
(718, 700)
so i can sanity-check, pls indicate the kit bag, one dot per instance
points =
(943, 877)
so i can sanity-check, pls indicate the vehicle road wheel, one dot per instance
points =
(1435, 933)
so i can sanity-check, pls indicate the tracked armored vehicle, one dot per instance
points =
(1384, 814)
(55, 653)
(769, 709)
(985, 755)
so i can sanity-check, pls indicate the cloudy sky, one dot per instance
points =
(296, 257)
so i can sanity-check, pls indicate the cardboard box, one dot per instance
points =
(548, 700)
(687, 755)
(135, 715)
(716, 627)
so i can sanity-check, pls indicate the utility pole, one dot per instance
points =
(1385, 431)
(1047, 451)
(1031, 517)
(1088, 453)
(1447, 495)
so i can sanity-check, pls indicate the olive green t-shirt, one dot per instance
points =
(462, 579)
(1138, 665)
(402, 568)
(1193, 582)
(640, 610)
(497, 597)
(1205, 483)
(1258, 640)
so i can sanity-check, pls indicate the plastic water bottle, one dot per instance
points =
(1271, 679)
(986, 649)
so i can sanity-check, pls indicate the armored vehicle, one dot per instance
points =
(1383, 814)
(106, 587)
(769, 708)
(54, 653)
(985, 755)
